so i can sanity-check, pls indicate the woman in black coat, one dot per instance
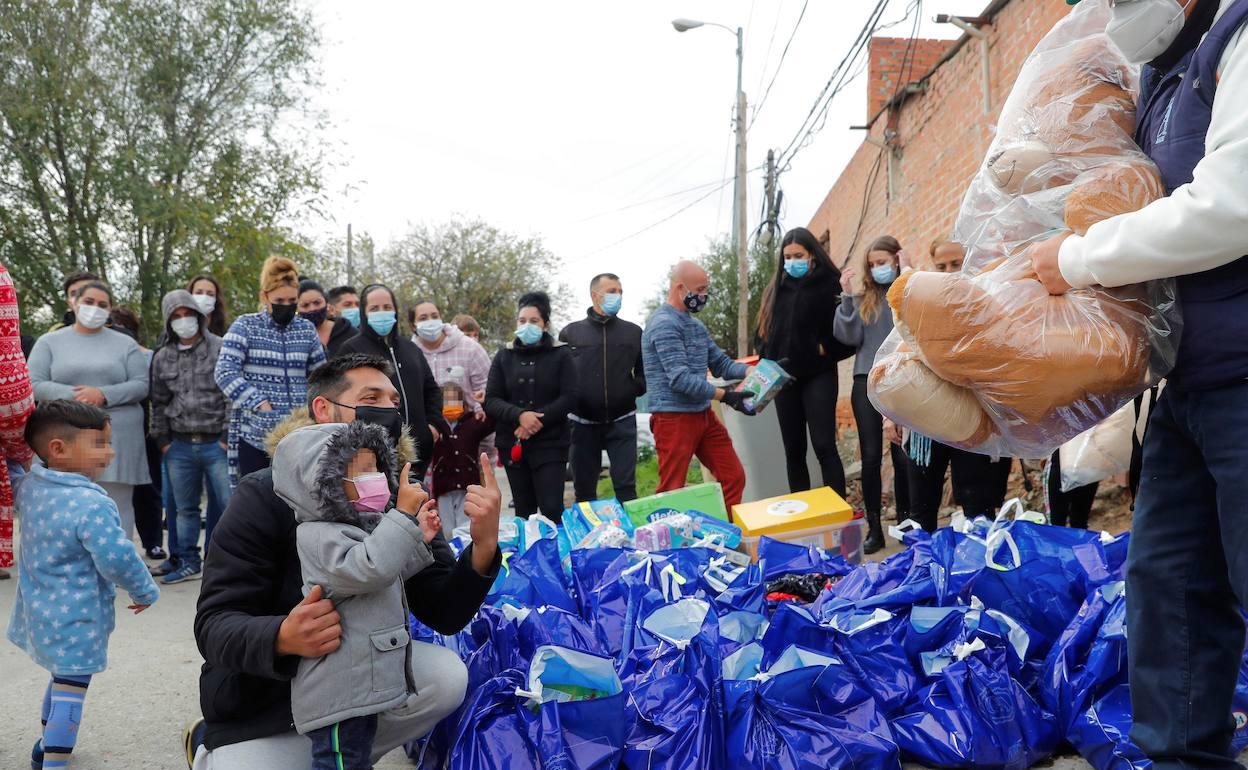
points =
(420, 396)
(795, 327)
(531, 389)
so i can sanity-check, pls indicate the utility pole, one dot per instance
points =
(350, 263)
(743, 262)
(769, 191)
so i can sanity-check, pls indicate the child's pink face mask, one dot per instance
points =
(372, 492)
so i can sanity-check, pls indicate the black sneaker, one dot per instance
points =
(157, 554)
(164, 568)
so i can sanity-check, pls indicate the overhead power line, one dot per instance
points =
(763, 100)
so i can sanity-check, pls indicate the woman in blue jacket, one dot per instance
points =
(264, 365)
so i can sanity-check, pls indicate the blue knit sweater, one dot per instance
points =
(676, 351)
(261, 361)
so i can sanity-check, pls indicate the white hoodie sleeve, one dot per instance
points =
(1202, 225)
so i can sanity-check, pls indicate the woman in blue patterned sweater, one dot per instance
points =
(264, 365)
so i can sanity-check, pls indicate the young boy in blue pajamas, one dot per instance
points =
(73, 552)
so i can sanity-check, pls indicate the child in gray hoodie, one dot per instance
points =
(359, 550)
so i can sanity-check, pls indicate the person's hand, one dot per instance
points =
(265, 406)
(88, 395)
(531, 421)
(521, 434)
(224, 445)
(312, 629)
(478, 396)
(429, 520)
(1044, 262)
(903, 261)
(892, 431)
(137, 607)
(847, 280)
(479, 415)
(164, 450)
(736, 400)
(482, 504)
(750, 370)
(434, 432)
(411, 496)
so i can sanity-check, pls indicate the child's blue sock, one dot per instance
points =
(63, 707)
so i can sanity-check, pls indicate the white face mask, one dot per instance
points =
(185, 327)
(205, 302)
(92, 316)
(429, 329)
(1144, 29)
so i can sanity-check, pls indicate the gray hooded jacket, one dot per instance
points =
(360, 560)
(185, 397)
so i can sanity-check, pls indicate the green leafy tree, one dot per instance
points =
(469, 266)
(146, 140)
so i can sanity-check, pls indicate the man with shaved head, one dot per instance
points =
(677, 351)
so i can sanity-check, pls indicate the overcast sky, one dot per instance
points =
(582, 122)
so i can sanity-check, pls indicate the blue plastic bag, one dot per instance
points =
(975, 715)
(868, 643)
(806, 712)
(934, 635)
(748, 593)
(874, 578)
(533, 579)
(670, 726)
(777, 558)
(677, 638)
(630, 586)
(568, 712)
(1101, 734)
(957, 558)
(1089, 658)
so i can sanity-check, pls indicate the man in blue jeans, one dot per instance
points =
(189, 418)
(1187, 571)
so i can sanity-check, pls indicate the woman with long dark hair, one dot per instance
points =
(313, 305)
(420, 398)
(795, 326)
(208, 297)
(864, 321)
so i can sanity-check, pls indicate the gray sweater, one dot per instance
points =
(360, 560)
(849, 328)
(112, 362)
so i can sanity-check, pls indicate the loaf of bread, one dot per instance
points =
(903, 387)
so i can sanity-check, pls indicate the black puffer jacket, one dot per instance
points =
(421, 398)
(609, 374)
(533, 378)
(339, 334)
(253, 579)
(801, 324)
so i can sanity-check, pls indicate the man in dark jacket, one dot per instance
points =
(607, 351)
(252, 639)
(189, 418)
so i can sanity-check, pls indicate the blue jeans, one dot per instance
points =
(347, 745)
(1187, 575)
(170, 506)
(191, 467)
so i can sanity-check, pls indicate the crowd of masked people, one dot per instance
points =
(184, 431)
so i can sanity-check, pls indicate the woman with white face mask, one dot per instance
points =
(208, 297)
(91, 363)
(1187, 576)
(863, 321)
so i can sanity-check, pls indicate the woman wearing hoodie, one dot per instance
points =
(264, 364)
(531, 389)
(420, 398)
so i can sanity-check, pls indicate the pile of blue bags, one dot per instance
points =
(989, 645)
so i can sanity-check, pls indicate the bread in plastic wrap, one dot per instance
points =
(1041, 368)
(1100, 452)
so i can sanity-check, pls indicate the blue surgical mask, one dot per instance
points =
(883, 274)
(611, 303)
(382, 321)
(528, 334)
(352, 314)
(796, 268)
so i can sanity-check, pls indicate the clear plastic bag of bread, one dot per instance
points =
(986, 359)
(1098, 453)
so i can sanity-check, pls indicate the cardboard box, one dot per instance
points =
(707, 498)
(818, 517)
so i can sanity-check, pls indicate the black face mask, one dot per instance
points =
(317, 317)
(387, 417)
(282, 314)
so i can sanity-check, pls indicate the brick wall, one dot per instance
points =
(942, 136)
(885, 57)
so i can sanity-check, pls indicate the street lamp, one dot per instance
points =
(739, 215)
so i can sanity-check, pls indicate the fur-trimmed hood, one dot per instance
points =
(300, 418)
(311, 463)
